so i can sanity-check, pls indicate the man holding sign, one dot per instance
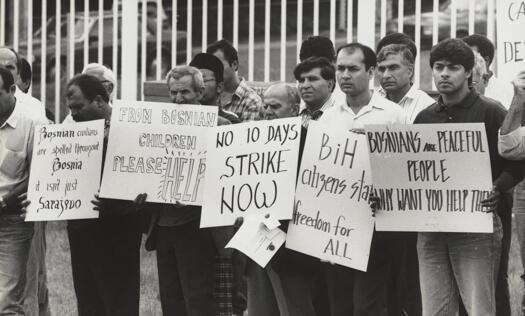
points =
(465, 263)
(105, 252)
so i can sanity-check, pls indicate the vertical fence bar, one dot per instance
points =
(86, 32)
(43, 57)
(158, 48)
(453, 18)
(400, 15)
(366, 22)
(332, 20)
(417, 68)
(382, 30)
(100, 31)
(2, 22)
(491, 22)
(236, 24)
(71, 39)
(29, 36)
(299, 26)
(189, 28)
(220, 8)
(129, 56)
(283, 39)
(267, 12)
(204, 25)
(143, 44)
(16, 24)
(435, 30)
(115, 40)
(57, 60)
(471, 16)
(251, 39)
(342, 14)
(349, 22)
(316, 17)
(174, 36)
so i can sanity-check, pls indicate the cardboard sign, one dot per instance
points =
(251, 169)
(431, 177)
(158, 149)
(65, 171)
(257, 241)
(332, 219)
(510, 38)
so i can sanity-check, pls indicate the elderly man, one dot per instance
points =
(105, 252)
(511, 145)
(16, 146)
(185, 253)
(315, 80)
(236, 97)
(353, 292)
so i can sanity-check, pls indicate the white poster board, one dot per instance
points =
(65, 171)
(510, 38)
(158, 149)
(431, 177)
(332, 218)
(251, 169)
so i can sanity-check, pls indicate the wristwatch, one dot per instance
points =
(3, 204)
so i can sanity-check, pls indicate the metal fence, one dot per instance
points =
(141, 39)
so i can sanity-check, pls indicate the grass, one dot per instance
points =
(62, 296)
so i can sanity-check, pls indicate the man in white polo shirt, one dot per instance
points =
(352, 292)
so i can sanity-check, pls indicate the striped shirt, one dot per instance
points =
(245, 103)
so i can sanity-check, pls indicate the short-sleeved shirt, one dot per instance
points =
(245, 103)
(31, 105)
(414, 101)
(16, 149)
(512, 145)
(378, 111)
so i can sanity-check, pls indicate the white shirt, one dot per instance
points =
(500, 91)
(378, 111)
(512, 145)
(30, 105)
(414, 101)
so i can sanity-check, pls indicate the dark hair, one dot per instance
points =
(25, 70)
(210, 62)
(90, 86)
(317, 46)
(230, 53)
(453, 50)
(7, 78)
(327, 68)
(370, 58)
(18, 60)
(397, 38)
(484, 45)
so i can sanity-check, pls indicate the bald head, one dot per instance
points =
(9, 60)
(281, 100)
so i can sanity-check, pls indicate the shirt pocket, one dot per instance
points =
(12, 163)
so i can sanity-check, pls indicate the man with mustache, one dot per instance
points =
(454, 263)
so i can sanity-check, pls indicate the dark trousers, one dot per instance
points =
(356, 293)
(105, 259)
(185, 261)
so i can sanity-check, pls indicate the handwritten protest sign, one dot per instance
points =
(251, 169)
(510, 38)
(158, 149)
(431, 177)
(332, 219)
(65, 171)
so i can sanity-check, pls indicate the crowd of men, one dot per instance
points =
(408, 273)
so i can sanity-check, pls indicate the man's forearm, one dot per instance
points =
(12, 197)
(513, 119)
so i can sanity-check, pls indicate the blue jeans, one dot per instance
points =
(15, 242)
(459, 265)
(519, 218)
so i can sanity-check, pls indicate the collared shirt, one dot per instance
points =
(31, 105)
(414, 101)
(475, 108)
(307, 115)
(16, 149)
(378, 111)
(500, 91)
(245, 103)
(512, 145)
